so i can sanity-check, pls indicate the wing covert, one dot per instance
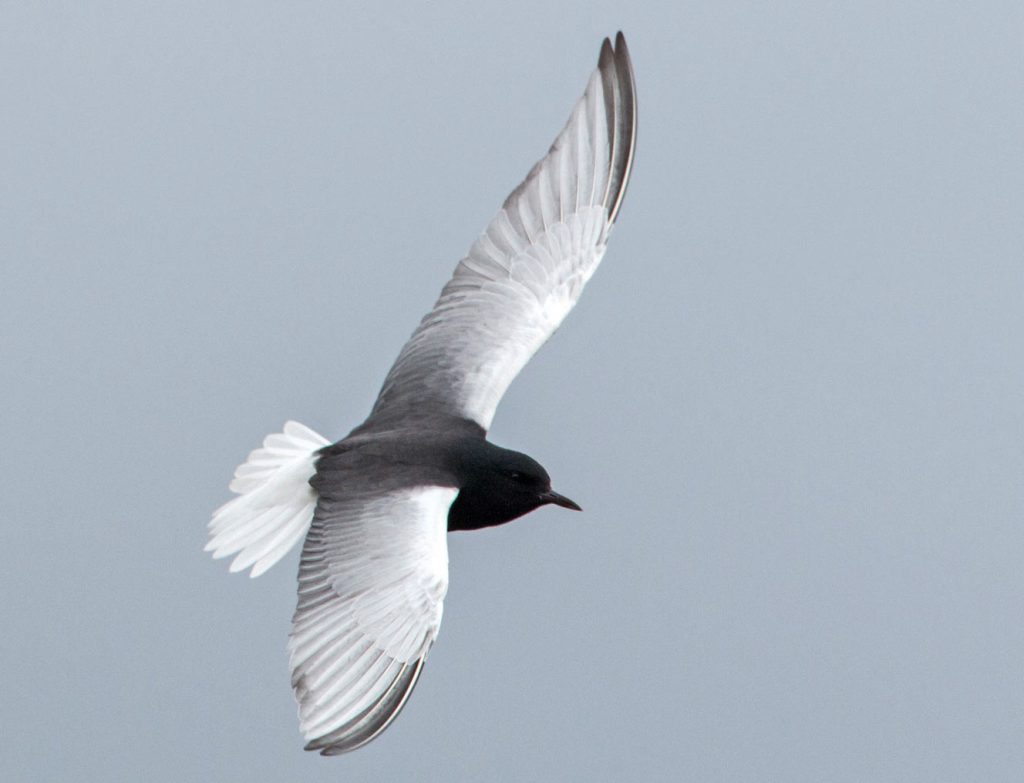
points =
(372, 581)
(526, 271)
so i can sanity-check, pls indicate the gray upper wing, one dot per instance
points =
(372, 581)
(527, 270)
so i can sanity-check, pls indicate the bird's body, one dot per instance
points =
(375, 507)
(495, 485)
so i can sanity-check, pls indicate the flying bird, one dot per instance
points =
(375, 506)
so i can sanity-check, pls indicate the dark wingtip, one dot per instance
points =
(372, 721)
(620, 103)
(622, 53)
(607, 56)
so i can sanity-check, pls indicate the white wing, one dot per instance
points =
(525, 273)
(275, 503)
(373, 577)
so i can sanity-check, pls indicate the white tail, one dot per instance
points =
(275, 504)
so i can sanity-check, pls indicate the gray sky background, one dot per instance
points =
(791, 400)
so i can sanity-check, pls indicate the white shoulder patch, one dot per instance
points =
(275, 504)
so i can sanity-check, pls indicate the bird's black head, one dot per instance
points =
(500, 485)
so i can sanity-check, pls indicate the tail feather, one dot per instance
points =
(275, 502)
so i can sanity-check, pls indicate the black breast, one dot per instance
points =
(488, 503)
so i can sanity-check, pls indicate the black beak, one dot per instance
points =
(559, 500)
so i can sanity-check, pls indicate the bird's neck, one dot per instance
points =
(479, 505)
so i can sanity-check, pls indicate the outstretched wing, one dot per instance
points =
(525, 273)
(372, 579)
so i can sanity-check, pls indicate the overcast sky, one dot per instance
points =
(791, 400)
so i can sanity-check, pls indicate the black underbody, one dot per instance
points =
(495, 485)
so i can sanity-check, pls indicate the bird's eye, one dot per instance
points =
(515, 475)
